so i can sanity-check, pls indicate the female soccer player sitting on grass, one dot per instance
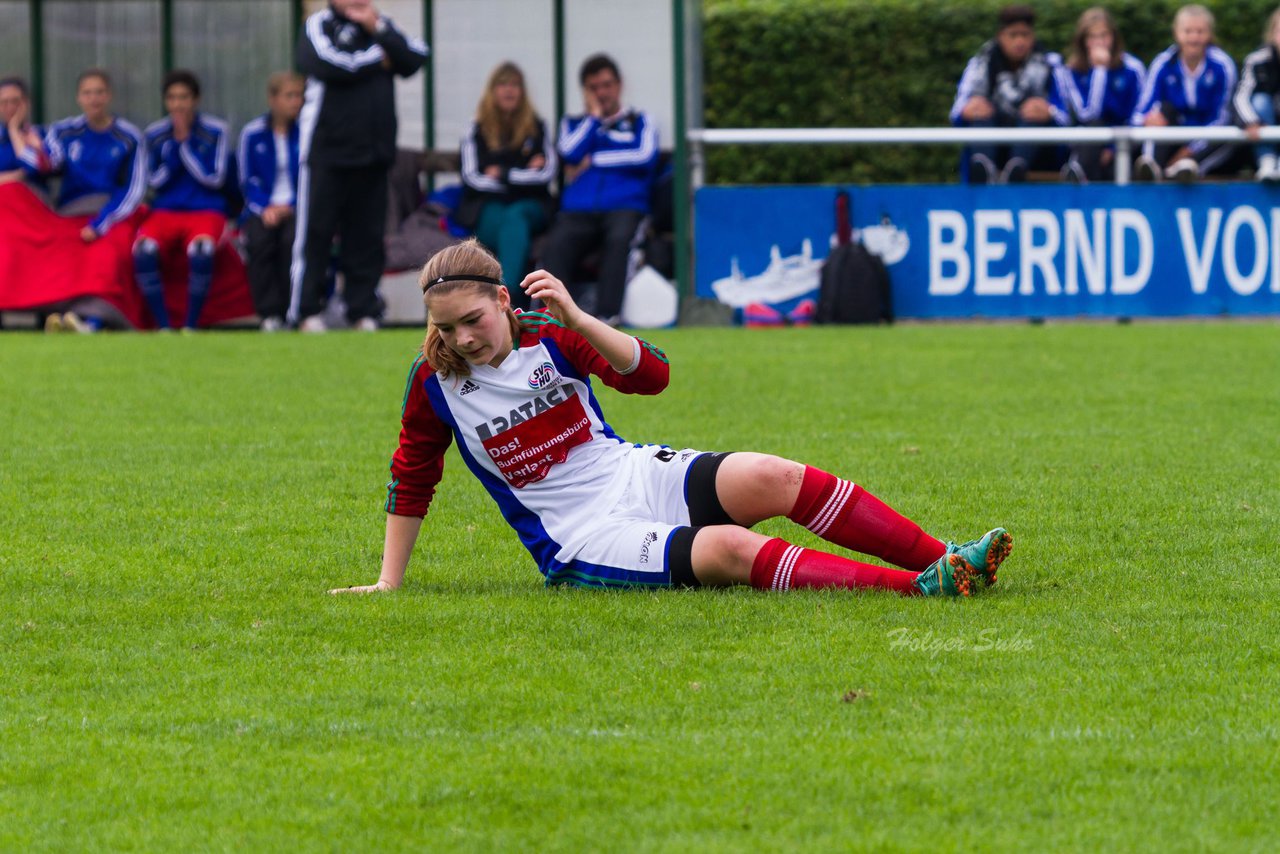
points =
(514, 390)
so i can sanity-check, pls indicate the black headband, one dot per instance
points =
(464, 278)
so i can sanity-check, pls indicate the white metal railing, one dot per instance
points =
(1124, 138)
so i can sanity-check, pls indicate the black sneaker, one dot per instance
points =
(981, 169)
(1014, 172)
(1146, 169)
(1073, 173)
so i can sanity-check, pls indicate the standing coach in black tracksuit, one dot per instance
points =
(350, 54)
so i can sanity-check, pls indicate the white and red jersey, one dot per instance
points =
(530, 429)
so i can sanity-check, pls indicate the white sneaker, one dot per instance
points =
(1268, 169)
(314, 324)
(73, 322)
(366, 324)
(1184, 171)
(272, 324)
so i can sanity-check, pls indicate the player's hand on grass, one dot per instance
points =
(541, 285)
(380, 587)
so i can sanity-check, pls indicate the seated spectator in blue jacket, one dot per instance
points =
(20, 147)
(101, 158)
(610, 155)
(508, 163)
(189, 154)
(1190, 85)
(268, 159)
(1008, 83)
(1256, 97)
(1097, 86)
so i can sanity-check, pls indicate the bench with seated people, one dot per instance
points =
(74, 266)
(419, 224)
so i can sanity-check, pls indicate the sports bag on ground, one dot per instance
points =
(855, 287)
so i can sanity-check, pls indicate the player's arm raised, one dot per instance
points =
(618, 348)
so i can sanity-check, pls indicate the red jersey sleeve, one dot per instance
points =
(650, 376)
(418, 463)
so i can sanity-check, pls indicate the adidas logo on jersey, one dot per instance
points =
(468, 387)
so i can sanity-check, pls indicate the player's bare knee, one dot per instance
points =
(772, 473)
(723, 554)
(145, 246)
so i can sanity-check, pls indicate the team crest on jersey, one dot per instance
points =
(544, 375)
(74, 149)
(346, 34)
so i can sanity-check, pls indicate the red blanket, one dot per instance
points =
(44, 261)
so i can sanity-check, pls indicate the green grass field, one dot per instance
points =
(175, 678)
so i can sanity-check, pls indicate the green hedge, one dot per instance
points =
(883, 63)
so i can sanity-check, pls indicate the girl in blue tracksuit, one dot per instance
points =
(102, 159)
(1189, 84)
(1097, 86)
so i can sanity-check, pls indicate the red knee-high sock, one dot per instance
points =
(781, 566)
(847, 515)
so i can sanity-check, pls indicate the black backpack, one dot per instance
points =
(855, 287)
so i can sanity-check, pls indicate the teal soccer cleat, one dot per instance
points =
(949, 575)
(986, 553)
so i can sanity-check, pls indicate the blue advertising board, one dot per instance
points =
(1032, 250)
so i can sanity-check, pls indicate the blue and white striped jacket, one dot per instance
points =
(1098, 96)
(1202, 99)
(190, 175)
(256, 157)
(112, 161)
(624, 153)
